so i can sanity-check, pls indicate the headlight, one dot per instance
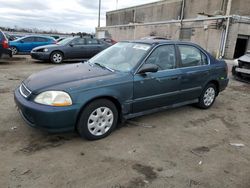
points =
(45, 49)
(54, 98)
(236, 62)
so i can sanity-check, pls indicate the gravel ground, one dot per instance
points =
(183, 147)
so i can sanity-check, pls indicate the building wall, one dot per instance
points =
(167, 10)
(240, 7)
(159, 11)
(211, 7)
(203, 33)
(137, 22)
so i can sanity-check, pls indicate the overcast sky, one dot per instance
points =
(62, 15)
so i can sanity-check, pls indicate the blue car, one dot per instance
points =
(126, 80)
(27, 43)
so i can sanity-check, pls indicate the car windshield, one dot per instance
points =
(65, 41)
(122, 56)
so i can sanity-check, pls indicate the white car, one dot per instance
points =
(241, 68)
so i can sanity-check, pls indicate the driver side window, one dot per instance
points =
(164, 57)
(29, 39)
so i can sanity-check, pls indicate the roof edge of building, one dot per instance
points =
(143, 5)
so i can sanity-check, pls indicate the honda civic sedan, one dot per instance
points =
(126, 80)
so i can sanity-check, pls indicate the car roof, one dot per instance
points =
(159, 41)
(37, 36)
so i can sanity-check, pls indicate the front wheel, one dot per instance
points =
(56, 57)
(97, 120)
(208, 96)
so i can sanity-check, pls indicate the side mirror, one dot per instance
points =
(71, 44)
(21, 41)
(148, 68)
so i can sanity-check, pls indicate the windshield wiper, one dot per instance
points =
(103, 66)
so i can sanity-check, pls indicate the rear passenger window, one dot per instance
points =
(191, 56)
(28, 39)
(78, 41)
(163, 57)
(91, 41)
(41, 39)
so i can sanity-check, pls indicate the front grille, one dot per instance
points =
(25, 92)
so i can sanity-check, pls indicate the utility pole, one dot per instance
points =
(99, 13)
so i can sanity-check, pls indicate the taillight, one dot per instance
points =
(5, 44)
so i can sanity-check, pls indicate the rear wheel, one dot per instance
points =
(14, 50)
(97, 120)
(208, 96)
(56, 57)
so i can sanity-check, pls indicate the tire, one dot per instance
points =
(208, 96)
(97, 120)
(56, 57)
(14, 50)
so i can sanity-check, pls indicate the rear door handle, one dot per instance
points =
(174, 78)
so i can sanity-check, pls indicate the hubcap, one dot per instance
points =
(209, 96)
(100, 121)
(57, 58)
(14, 51)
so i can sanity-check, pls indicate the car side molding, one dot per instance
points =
(129, 116)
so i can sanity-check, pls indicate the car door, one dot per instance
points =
(93, 46)
(26, 44)
(161, 88)
(195, 71)
(77, 48)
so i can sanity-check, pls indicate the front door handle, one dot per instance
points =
(167, 78)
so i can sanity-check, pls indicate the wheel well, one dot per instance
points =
(216, 83)
(56, 51)
(112, 99)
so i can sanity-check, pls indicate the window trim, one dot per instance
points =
(199, 49)
(152, 50)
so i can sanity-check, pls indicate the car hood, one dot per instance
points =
(245, 58)
(57, 77)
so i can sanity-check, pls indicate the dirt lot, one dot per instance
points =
(183, 147)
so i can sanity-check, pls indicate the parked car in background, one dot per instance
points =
(241, 69)
(70, 48)
(60, 39)
(154, 38)
(55, 37)
(108, 40)
(10, 37)
(4, 46)
(27, 43)
(17, 36)
(126, 80)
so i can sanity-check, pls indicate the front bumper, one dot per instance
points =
(241, 74)
(40, 55)
(49, 118)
